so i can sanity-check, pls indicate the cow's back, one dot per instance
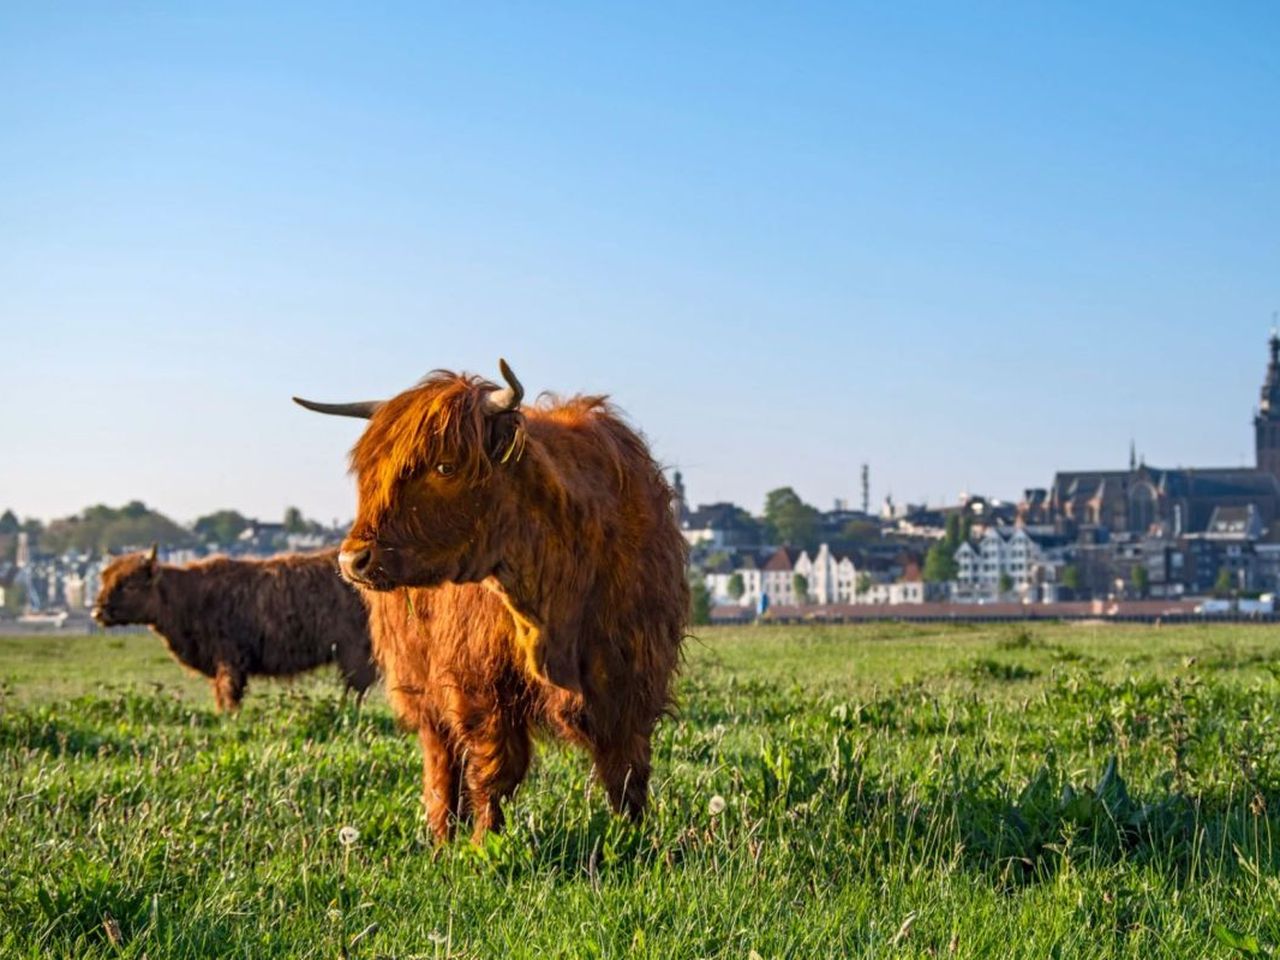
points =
(303, 609)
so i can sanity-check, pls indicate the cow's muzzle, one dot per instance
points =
(356, 564)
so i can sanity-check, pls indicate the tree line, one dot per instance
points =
(101, 529)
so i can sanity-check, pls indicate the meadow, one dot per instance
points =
(876, 790)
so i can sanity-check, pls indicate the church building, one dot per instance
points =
(1186, 525)
(1148, 501)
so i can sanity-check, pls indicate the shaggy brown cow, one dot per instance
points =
(560, 508)
(232, 619)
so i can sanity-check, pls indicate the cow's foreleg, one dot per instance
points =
(441, 783)
(498, 754)
(358, 672)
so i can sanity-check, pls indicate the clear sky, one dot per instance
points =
(966, 243)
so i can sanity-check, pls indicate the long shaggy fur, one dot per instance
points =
(233, 619)
(448, 659)
(562, 511)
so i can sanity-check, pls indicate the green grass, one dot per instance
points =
(889, 790)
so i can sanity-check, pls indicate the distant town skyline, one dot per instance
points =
(969, 247)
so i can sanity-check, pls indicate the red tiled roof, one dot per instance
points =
(784, 558)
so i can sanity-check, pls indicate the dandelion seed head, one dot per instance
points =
(348, 835)
(716, 805)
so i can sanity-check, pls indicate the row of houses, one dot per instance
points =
(788, 576)
(1235, 551)
(1001, 564)
(62, 583)
(1007, 563)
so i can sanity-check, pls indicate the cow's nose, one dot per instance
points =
(355, 564)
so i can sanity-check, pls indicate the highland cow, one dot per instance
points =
(558, 507)
(233, 619)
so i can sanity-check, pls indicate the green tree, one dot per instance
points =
(221, 527)
(736, 586)
(1004, 584)
(102, 529)
(1071, 577)
(789, 519)
(940, 563)
(1225, 582)
(9, 527)
(699, 602)
(863, 586)
(294, 521)
(1140, 578)
(15, 599)
(954, 530)
(800, 587)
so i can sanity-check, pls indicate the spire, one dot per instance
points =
(678, 501)
(1133, 456)
(1269, 408)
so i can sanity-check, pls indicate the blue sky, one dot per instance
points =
(966, 243)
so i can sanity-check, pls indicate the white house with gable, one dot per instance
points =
(996, 554)
(832, 578)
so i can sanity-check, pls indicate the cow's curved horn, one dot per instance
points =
(363, 409)
(509, 397)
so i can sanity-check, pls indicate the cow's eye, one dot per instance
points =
(445, 469)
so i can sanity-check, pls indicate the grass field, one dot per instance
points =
(888, 790)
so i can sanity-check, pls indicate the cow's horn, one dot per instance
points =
(363, 409)
(509, 397)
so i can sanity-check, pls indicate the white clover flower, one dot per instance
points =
(716, 806)
(348, 835)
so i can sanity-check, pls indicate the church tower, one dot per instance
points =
(1267, 423)
(678, 502)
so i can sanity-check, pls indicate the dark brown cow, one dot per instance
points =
(232, 619)
(562, 510)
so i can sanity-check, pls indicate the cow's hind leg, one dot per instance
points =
(623, 768)
(441, 783)
(228, 687)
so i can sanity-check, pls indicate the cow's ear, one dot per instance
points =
(504, 437)
(151, 555)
